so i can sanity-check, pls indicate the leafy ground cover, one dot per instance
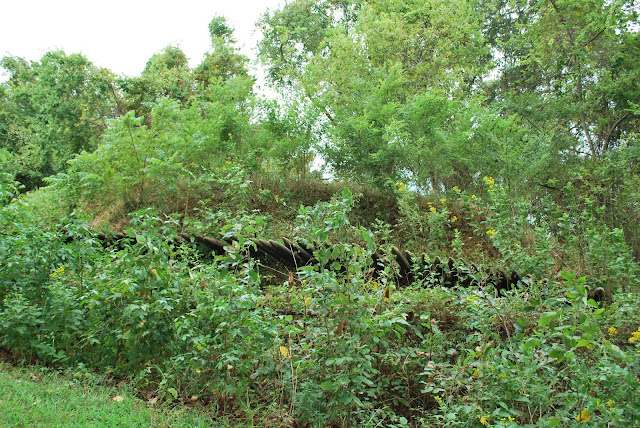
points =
(337, 343)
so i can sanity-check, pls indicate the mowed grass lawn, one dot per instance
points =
(30, 397)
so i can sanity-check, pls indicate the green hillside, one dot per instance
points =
(432, 221)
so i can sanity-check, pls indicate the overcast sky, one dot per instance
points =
(122, 35)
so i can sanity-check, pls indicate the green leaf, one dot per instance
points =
(327, 385)
(557, 353)
(532, 343)
(346, 194)
(566, 275)
(619, 353)
(546, 318)
(583, 343)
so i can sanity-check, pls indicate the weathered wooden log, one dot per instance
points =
(286, 255)
(268, 249)
(449, 279)
(598, 295)
(297, 250)
(405, 266)
(436, 266)
(409, 256)
(213, 244)
(309, 250)
(446, 272)
(501, 281)
(514, 278)
(256, 249)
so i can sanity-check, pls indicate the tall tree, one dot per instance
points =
(52, 109)
(166, 75)
(568, 67)
(223, 61)
(369, 66)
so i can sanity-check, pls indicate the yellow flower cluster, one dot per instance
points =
(442, 201)
(610, 404)
(224, 168)
(57, 272)
(510, 419)
(584, 416)
(612, 331)
(484, 419)
(401, 186)
(491, 232)
(489, 180)
(635, 336)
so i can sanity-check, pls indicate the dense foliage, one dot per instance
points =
(498, 133)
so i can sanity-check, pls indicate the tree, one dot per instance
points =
(287, 133)
(367, 66)
(223, 62)
(567, 67)
(52, 109)
(166, 75)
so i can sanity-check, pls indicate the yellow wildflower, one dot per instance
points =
(489, 180)
(285, 352)
(584, 416)
(635, 336)
(491, 232)
(432, 209)
(612, 331)
(484, 419)
(442, 201)
(57, 272)
(473, 196)
(454, 218)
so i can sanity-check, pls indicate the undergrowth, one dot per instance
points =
(340, 343)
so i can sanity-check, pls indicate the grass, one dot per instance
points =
(31, 397)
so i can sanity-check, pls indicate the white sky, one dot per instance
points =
(122, 35)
